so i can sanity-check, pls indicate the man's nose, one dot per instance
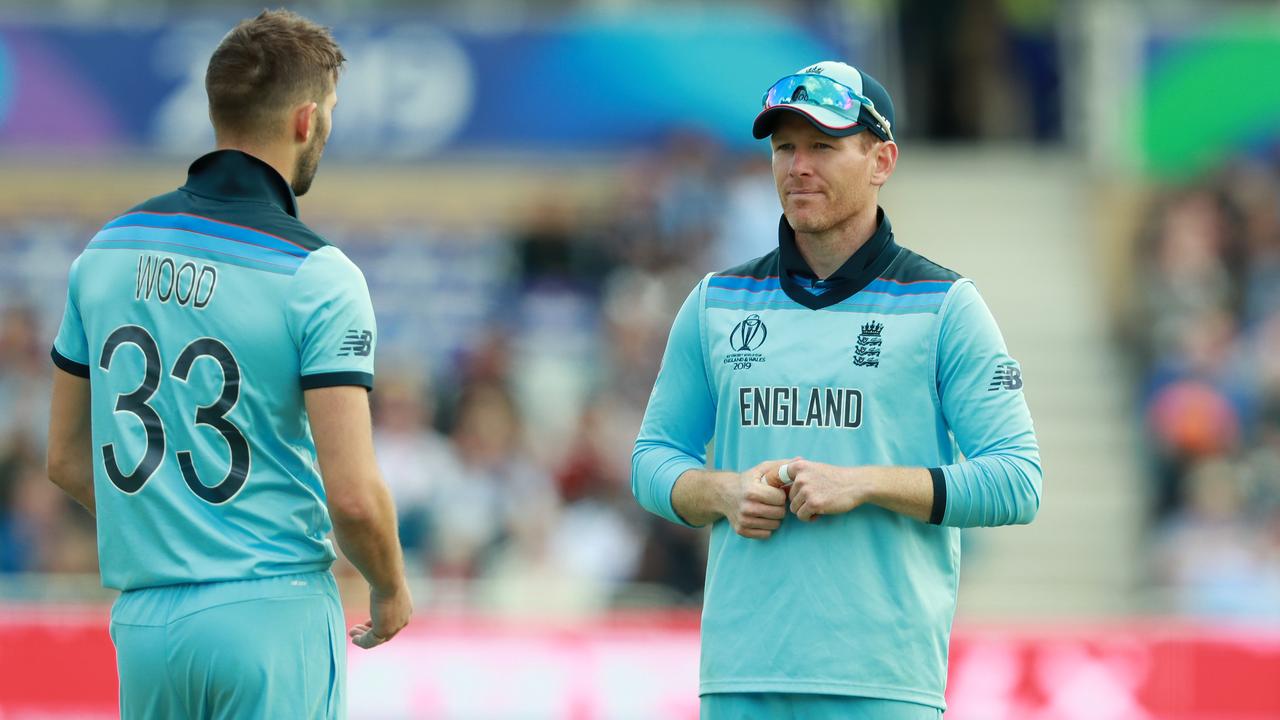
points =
(800, 163)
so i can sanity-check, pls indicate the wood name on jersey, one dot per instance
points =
(162, 279)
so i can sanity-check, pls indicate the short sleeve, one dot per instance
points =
(331, 319)
(71, 347)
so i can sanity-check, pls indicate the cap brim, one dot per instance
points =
(825, 120)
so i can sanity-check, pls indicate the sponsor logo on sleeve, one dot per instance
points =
(1007, 377)
(358, 343)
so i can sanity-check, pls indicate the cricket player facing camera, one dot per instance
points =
(213, 348)
(863, 408)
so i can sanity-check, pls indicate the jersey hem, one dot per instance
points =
(315, 566)
(68, 365)
(879, 692)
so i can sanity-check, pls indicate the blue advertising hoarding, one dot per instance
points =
(414, 89)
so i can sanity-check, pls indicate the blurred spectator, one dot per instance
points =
(492, 489)
(1209, 355)
(1254, 192)
(1218, 564)
(688, 196)
(41, 529)
(1186, 275)
(413, 456)
(982, 69)
(747, 225)
(16, 551)
(24, 376)
(597, 537)
(552, 249)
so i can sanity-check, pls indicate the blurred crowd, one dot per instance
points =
(1206, 333)
(514, 365)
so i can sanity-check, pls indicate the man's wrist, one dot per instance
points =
(863, 483)
(698, 496)
(904, 490)
(387, 590)
(722, 487)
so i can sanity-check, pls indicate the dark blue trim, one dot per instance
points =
(761, 269)
(337, 379)
(727, 282)
(939, 496)
(209, 231)
(68, 365)
(864, 266)
(916, 272)
(915, 287)
(236, 175)
(175, 245)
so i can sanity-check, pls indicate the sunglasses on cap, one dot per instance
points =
(824, 92)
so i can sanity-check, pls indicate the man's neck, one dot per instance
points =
(827, 251)
(278, 158)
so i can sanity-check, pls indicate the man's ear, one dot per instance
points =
(303, 122)
(885, 161)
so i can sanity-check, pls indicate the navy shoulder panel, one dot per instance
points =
(170, 202)
(761, 268)
(291, 228)
(911, 266)
(258, 216)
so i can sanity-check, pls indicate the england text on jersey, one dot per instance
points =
(793, 407)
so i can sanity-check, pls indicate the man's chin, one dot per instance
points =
(805, 223)
(302, 185)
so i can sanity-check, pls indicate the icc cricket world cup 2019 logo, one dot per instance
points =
(748, 334)
(744, 340)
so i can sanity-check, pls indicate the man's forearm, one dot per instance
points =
(76, 481)
(697, 495)
(904, 490)
(69, 454)
(370, 541)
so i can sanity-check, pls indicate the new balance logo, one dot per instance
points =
(358, 343)
(1007, 377)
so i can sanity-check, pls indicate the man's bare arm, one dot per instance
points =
(364, 517)
(69, 461)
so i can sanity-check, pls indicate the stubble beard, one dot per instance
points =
(308, 164)
(811, 220)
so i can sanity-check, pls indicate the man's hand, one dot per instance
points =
(752, 506)
(388, 616)
(818, 489)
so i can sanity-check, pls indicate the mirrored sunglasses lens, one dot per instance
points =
(814, 91)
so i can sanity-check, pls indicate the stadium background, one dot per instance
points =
(532, 187)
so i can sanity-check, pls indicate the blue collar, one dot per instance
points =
(866, 264)
(235, 175)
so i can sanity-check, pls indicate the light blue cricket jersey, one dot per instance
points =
(891, 361)
(199, 318)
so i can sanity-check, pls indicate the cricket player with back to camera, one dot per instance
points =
(212, 349)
